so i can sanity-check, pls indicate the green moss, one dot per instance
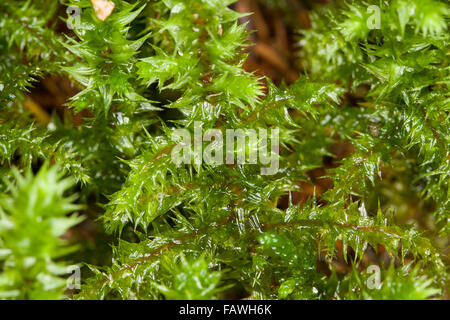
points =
(199, 231)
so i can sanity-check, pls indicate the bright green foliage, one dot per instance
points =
(405, 63)
(395, 284)
(198, 231)
(191, 281)
(32, 218)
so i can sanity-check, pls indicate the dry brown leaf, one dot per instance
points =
(103, 8)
